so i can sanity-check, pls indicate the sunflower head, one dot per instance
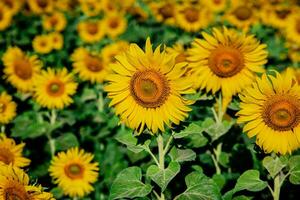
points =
(42, 44)
(56, 21)
(5, 16)
(91, 31)
(90, 7)
(40, 6)
(114, 24)
(7, 108)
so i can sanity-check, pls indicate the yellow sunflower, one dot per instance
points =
(226, 61)
(11, 153)
(53, 88)
(5, 17)
(13, 6)
(192, 17)
(89, 65)
(14, 184)
(292, 71)
(216, 5)
(293, 28)
(164, 11)
(114, 24)
(178, 51)
(91, 31)
(270, 109)
(56, 21)
(110, 51)
(20, 69)
(74, 172)
(65, 5)
(146, 88)
(91, 7)
(57, 40)
(276, 16)
(293, 51)
(42, 44)
(40, 6)
(7, 108)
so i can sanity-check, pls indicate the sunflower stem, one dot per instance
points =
(216, 164)
(75, 198)
(100, 102)
(152, 155)
(53, 117)
(277, 186)
(2, 128)
(161, 155)
(220, 108)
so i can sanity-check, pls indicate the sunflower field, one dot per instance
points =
(149, 99)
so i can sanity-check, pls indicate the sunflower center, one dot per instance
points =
(298, 26)
(282, 113)
(113, 23)
(56, 88)
(149, 88)
(282, 14)
(166, 11)
(53, 21)
(226, 62)
(217, 1)
(42, 3)
(1, 14)
(191, 14)
(94, 64)
(2, 108)
(8, 3)
(74, 171)
(16, 192)
(92, 28)
(242, 12)
(6, 156)
(23, 69)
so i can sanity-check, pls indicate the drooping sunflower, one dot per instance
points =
(110, 51)
(7, 108)
(270, 109)
(216, 5)
(226, 61)
(293, 28)
(91, 31)
(74, 172)
(14, 184)
(164, 11)
(11, 153)
(40, 6)
(5, 17)
(20, 69)
(42, 44)
(91, 7)
(54, 88)
(13, 6)
(114, 24)
(146, 88)
(178, 51)
(57, 40)
(56, 21)
(89, 65)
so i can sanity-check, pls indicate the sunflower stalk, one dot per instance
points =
(277, 186)
(2, 128)
(53, 117)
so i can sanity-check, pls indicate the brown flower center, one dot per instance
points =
(226, 61)
(2, 108)
(23, 69)
(282, 113)
(94, 64)
(282, 14)
(42, 3)
(298, 26)
(15, 192)
(92, 28)
(191, 14)
(6, 156)
(167, 11)
(1, 14)
(217, 1)
(53, 21)
(242, 12)
(149, 88)
(9, 3)
(55, 88)
(74, 171)
(113, 23)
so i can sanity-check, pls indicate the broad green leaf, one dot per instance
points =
(294, 170)
(191, 129)
(216, 130)
(242, 197)
(128, 184)
(182, 155)
(250, 181)
(126, 137)
(163, 177)
(273, 165)
(224, 159)
(66, 141)
(199, 187)
(219, 179)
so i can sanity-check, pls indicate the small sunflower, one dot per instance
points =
(114, 24)
(270, 109)
(57, 40)
(74, 172)
(11, 153)
(40, 6)
(88, 65)
(91, 7)
(20, 69)
(13, 6)
(91, 31)
(178, 51)
(164, 11)
(5, 17)
(110, 51)
(42, 44)
(7, 108)
(53, 88)
(14, 184)
(276, 16)
(216, 5)
(56, 21)
(226, 61)
(293, 51)
(293, 28)
(146, 88)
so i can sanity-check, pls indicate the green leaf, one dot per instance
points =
(199, 187)
(250, 181)
(163, 177)
(128, 184)
(242, 197)
(216, 130)
(66, 141)
(182, 155)
(57, 192)
(274, 166)
(219, 179)
(224, 159)
(126, 137)
(294, 170)
(191, 129)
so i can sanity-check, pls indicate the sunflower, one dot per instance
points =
(276, 16)
(56, 21)
(14, 184)
(74, 172)
(226, 61)
(293, 51)
(216, 5)
(192, 17)
(91, 31)
(40, 6)
(89, 65)
(110, 51)
(11, 153)
(164, 11)
(20, 69)
(5, 17)
(270, 109)
(292, 71)
(53, 88)
(293, 28)
(115, 24)
(57, 40)
(42, 44)
(178, 51)
(13, 5)
(7, 108)
(146, 88)
(65, 5)
(91, 7)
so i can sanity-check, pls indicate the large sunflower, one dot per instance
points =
(11, 153)
(20, 69)
(7, 108)
(53, 88)
(270, 109)
(146, 88)
(89, 65)
(226, 61)
(74, 172)
(14, 184)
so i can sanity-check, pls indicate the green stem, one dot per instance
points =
(216, 164)
(161, 155)
(220, 109)
(75, 198)
(152, 155)
(2, 128)
(100, 102)
(53, 117)
(277, 186)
